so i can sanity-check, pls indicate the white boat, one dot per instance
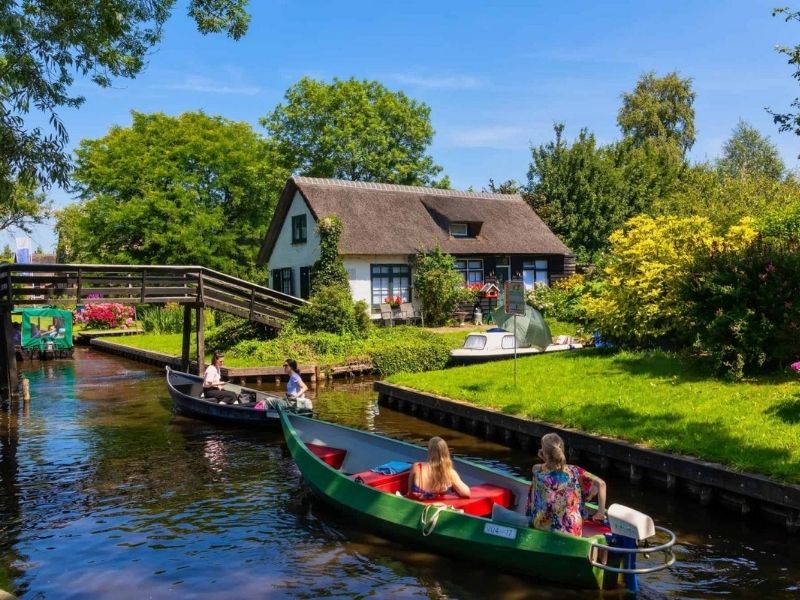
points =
(497, 343)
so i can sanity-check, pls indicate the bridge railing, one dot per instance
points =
(144, 284)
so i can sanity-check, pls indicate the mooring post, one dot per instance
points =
(201, 341)
(8, 359)
(187, 337)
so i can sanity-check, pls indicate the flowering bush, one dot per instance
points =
(394, 301)
(562, 300)
(106, 316)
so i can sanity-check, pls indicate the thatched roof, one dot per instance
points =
(382, 218)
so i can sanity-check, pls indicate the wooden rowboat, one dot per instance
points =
(490, 527)
(186, 390)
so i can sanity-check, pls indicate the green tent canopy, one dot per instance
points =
(45, 328)
(531, 329)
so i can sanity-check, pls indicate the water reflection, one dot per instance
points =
(105, 493)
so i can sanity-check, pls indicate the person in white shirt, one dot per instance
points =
(213, 384)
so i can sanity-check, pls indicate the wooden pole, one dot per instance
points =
(201, 341)
(9, 384)
(187, 337)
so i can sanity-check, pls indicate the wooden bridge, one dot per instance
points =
(191, 286)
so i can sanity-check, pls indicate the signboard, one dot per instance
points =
(515, 298)
(500, 531)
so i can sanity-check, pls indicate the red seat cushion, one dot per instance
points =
(591, 528)
(397, 482)
(481, 500)
(331, 456)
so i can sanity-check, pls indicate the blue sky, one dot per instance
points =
(496, 75)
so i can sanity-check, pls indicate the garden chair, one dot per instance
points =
(408, 313)
(387, 315)
(418, 312)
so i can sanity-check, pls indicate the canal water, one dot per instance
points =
(106, 494)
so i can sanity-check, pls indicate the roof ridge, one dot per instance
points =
(393, 187)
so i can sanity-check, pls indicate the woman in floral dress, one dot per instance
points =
(558, 490)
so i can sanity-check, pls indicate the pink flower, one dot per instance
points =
(795, 366)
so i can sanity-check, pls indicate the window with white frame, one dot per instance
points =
(459, 230)
(390, 281)
(535, 271)
(471, 270)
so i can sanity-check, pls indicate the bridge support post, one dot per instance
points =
(201, 340)
(9, 384)
(187, 337)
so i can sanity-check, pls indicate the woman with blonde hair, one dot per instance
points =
(436, 477)
(558, 489)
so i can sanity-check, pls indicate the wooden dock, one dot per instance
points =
(240, 375)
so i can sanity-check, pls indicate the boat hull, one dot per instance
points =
(548, 556)
(184, 388)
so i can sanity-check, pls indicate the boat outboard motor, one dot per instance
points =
(629, 529)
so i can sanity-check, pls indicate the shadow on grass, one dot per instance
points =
(674, 433)
(787, 411)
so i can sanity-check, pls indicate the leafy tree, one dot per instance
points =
(44, 44)
(23, 207)
(6, 255)
(747, 152)
(789, 121)
(355, 130)
(725, 200)
(192, 189)
(437, 284)
(510, 186)
(575, 189)
(659, 107)
(639, 303)
(329, 269)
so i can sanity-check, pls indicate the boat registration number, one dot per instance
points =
(500, 531)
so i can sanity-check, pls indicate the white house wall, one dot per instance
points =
(285, 254)
(360, 275)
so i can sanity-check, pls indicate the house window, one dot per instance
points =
(533, 272)
(390, 280)
(471, 270)
(282, 281)
(459, 230)
(299, 229)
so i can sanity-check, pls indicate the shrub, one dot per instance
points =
(169, 318)
(411, 349)
(638, 304)
(438, 285)
(561, 301)
(329, 269)
(744, 306)
(233, 331)
(106, 316)
(331, 309)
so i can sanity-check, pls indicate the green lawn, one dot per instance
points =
(654, 399)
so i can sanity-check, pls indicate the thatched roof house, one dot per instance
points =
(491, 235)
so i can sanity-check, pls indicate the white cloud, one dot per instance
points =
(494, 136)
(207, 85)
(445, 82)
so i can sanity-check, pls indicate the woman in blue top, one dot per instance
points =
(296, 388)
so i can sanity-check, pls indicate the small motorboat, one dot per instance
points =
(365, 476)
(256, 409)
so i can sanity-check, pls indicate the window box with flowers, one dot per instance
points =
(394, 301)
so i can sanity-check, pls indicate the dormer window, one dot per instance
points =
(459, 230)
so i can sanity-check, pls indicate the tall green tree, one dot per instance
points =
(45, 44)
(789, 121)
(192, 189)
(747, 152)
(26, 205)
(659, 107)
(572, 187)
(356, 130)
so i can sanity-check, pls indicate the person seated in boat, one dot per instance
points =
(558, 489)
(431, 479)
(213, 384)
(295, 388)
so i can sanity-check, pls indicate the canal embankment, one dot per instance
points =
(707, 482)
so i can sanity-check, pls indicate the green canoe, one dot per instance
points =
(338, 462)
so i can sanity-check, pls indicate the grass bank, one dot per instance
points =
(654, 399)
